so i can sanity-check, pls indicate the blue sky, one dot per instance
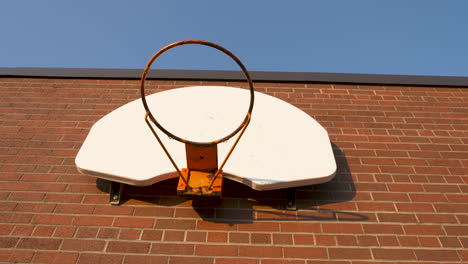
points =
(415, 37)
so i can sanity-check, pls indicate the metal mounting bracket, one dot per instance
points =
(291, 199)
(115, 192)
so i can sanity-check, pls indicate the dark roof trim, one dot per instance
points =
(344, 78)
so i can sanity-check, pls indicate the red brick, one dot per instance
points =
(414, 207)
(96, 199)
(436, 218)
(87, 232)
(462, 218)
(261, 251)
(393, 254)
(65, 231)
(55, 257)
(449, 242)
(259, 226)
(216, 250)
(83, 245)
(349, 253)
(280, 239)
(35, 207)
(382, 229)
(128, 247)
(367, 240)
(305, 252)
(22, 230)
(458, 230)
(341, 228)
(426, 241)
(40, 243)
(236, 261)
(431, 170)
(457, 198)
(26, 196)
(376, 206)
(410, 161)
(19, 256)
(205, 225)
(463, 254)
(346, 240)
(339, 206)
(129, 234)
(7, 206)
(217, 236)
(93, 221)
(301, 227)
(195, 236)
(172, 249)
(6, 229)
(172, 235)
(52, 219)
(436, 255)
(113, 210)
(130, 259)
(424, 154)
(15, 218)
(442, 188)
(391, 153)
(195, 213)
(303, 239)
(133, 222)
(427, 197)
(396, 169)
(190, 260)
(366, 186)
(378, 161)
(152, 235)
(411, 188)
(74, 209)
(235, 237)
(408, 241)
(277, 215)
(108, 233)
(154, 211)
(63, 198)
(395, 217)
(92, 258)
(390, 197)
(8, 242)
(175, 224)
(422, 229)
(451, 208)
(399, 178)
(325, 240)
(44, 231)
(388, 241)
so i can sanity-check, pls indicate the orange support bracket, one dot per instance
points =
(197, 179)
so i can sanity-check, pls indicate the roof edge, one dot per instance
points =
(258, 76)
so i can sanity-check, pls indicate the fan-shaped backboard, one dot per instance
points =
(282, 147)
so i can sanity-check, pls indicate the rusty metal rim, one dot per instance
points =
(244, 123)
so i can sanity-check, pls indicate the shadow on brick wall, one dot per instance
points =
(323, 202)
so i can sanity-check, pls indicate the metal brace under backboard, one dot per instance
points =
(291, 199)
(115, 192)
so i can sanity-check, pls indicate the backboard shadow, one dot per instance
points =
(242, 204)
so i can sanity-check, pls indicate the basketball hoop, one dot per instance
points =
(202, 175)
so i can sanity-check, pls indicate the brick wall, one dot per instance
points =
(399, 195)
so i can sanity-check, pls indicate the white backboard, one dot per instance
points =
(282, 147)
